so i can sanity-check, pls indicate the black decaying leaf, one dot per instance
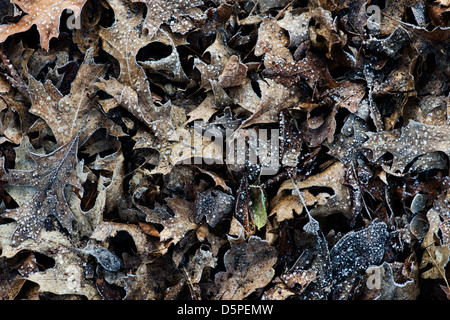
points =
(358, 250)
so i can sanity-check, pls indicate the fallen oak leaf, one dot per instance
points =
(409, 142)
(284, 205)
(297, 27)
(332, 177)
(169, 67)
(144, 245)
(123, 40)
(108, 260)
(66, 276)
(249, 266)
(213, 204)
(65, 114)
(233, 73)
(175, 226)
(45, 14)
(317, 129)
(357, 250)
(346, 145)
(162, 11)
(274, 98)
(53, 172)
(219, 53)
(272, 43)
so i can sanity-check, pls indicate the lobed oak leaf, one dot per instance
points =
(66, 114)
(175, 227)
(163, 11)
(249, 266)
(233, 73)
(284, 205)
(219, 53)
(45, 14)
(202, 259)
(332, 177)
(204, 111)
(107, 230)
(170, 67)
(66, 276)
(346, 145)
(408, 143)
(53, 172)
(123, 40)
(274, 98)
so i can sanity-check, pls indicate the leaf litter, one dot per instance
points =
(104, 196)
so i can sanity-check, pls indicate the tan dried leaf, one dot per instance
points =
(161, 11)
(284, 205)
(45, 14)
(67, 276)
(144, 244)
(297, 27)
(409, 142)
(219, 53)
(274, 98)
(249, 266)
(66, 114)
(123, 40)
(175, 227)
(233, 73)
(332, 177)
(271, 39)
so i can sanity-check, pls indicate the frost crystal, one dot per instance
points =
(357, 250)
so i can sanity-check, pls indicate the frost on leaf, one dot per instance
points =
(347, 145)
(358, 250)
(396, 281)
(45, 14)
(191, 149)
(249, 267)
(162, 11)
(123, 40)
(408, 143)
(66, 114)
(215, 205)
(175, 226)
(53, 172)
(332, 177)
